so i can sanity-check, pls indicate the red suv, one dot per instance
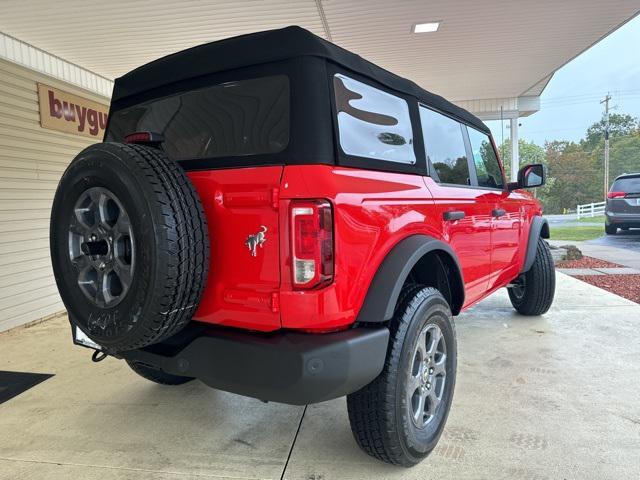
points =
(280, 218)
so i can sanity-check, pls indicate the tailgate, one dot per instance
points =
(630, 204)
(241, 206)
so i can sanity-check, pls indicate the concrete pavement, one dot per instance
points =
(548, 397)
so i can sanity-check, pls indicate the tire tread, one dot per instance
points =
(181, 242)
(540, 284)
(372, 409)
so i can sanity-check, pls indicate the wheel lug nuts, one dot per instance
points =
(431, 370)
(428, 385)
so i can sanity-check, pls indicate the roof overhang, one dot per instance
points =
(484, 55)
(502, 108)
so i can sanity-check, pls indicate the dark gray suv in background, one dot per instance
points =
(623, 204)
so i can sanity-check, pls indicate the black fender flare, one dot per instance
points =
(539, 228)
(384, 290)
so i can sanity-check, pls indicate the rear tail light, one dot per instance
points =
(312, 243)
(616, 195)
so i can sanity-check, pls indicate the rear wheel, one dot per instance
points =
(610, 229)
(532, 292)
(399, 417)
(157, 376)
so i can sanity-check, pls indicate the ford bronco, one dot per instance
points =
(282, 219)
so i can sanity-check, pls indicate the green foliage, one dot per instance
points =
(575, 171)
(529, 153)
(620, 125)
(624, 155)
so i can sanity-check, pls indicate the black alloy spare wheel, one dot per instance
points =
(129, 245)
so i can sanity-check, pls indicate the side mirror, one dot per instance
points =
(529, 176)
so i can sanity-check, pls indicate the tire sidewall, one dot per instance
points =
(99, 166)
(419, 442)
(539, 284)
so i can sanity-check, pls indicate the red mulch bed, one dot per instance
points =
(586, 262)
(627, 286)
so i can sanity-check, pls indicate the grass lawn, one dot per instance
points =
(576, 233)
(599, 219)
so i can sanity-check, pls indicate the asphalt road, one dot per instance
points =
(629, 240)
(569, 220)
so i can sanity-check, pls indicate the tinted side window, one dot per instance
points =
(444, 142)
(247, 117)
(485, 160)
(372, 123)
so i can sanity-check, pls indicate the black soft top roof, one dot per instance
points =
(265, 47)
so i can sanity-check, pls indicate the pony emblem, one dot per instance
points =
(256, 240)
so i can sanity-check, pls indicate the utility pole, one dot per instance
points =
(606, 144)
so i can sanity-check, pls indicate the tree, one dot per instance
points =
(529, 153)
(572, 177)
(575, 171)
(620, 125)
(625, 155)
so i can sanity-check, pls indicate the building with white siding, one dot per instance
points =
(32, 159)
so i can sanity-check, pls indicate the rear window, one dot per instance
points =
(246, 117)
(627, 185)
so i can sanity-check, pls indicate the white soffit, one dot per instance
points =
(481, 50)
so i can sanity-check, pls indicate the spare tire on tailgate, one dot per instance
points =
(129, 245)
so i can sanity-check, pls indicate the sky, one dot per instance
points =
(571, 101)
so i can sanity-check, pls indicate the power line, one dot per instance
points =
(556, 130)
(592, 94)
(570, 100)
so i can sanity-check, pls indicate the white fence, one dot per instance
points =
(591, 209)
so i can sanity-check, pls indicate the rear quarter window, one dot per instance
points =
(245, 117)
(372, 123)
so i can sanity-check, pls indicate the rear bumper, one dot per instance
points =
(625, 219)
(286, 367)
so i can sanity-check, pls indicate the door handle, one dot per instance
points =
(498, 212)
(452, 215)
